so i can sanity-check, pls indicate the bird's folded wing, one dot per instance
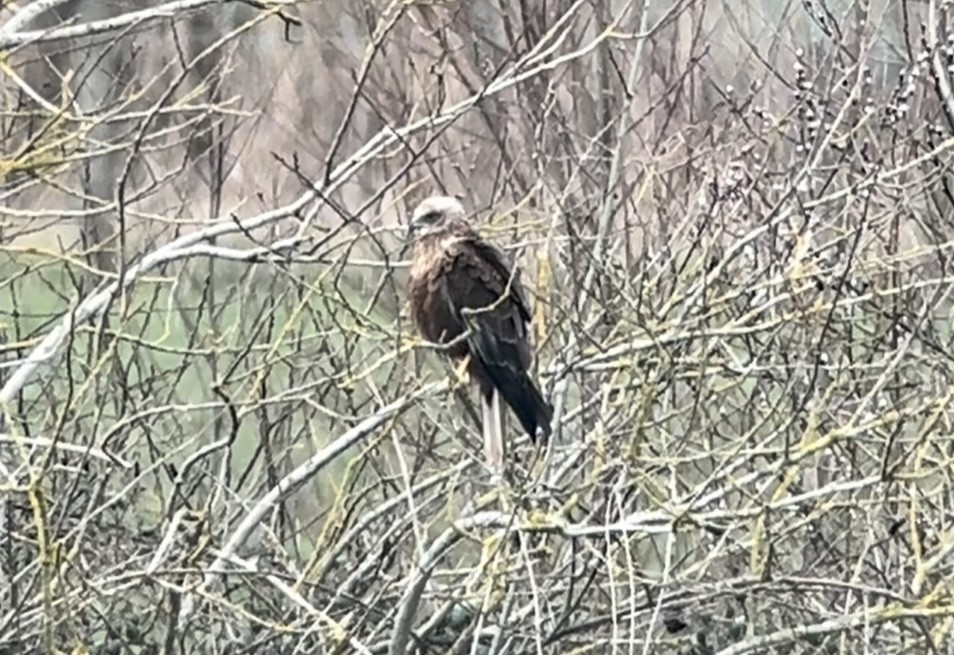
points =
(478, 285)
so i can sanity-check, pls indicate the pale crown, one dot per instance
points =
(434, 214)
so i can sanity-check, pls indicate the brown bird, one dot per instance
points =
(459, 281)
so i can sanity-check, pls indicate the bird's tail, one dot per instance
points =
(528, 404)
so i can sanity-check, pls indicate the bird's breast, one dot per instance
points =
(430, 311)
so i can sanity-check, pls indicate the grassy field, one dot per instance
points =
(151, 384)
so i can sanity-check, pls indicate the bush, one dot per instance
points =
(221, 433)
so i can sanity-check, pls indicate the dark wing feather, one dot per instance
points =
(478, 278)
(505, 273)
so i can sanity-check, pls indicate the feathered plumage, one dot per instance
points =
(457, 280)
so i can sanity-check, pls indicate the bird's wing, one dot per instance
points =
(505, 272)
(478, 278)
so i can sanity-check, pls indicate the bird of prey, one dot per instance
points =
(464, 294)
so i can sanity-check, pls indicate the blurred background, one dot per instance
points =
(221, 434)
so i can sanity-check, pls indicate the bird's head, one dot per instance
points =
(435, 215)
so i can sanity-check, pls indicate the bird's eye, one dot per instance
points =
(431, 217)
